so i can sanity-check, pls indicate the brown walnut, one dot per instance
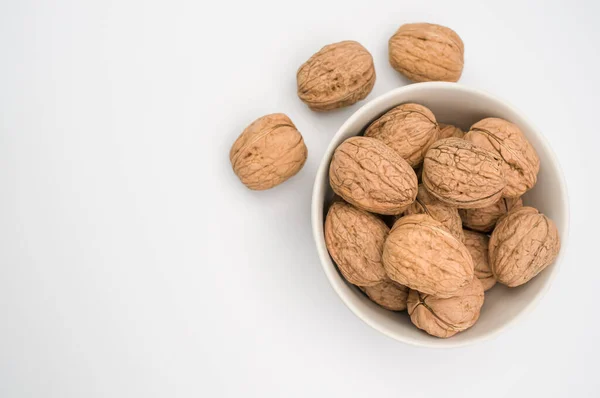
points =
(523, 243)
(268, 152)
(462, 174)
(477, 244)
(354, 239)
(409, 129)
(388, 294)
(448, 130)
(339, 75)
(372, 176)
(422, 254)
(444, 317)
(447, 215)
(427, 52)
(521, 162)
(484, 219)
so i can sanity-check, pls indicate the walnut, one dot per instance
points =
(447, 215)
(523, 243)
(484, 219)
(355, 239)
(409, 129)
(444, 317)
(422, 254)
(370, 175)
(462, 174)
(521, 162)
(388, 294)
(427, 52)
(448, 130)
(339, 75)
(268, 152)
(477, 244)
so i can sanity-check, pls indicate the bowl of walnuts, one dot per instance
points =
(438, 212)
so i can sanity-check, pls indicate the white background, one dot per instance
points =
(133, 263)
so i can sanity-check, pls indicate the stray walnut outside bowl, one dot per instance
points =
(462, 106)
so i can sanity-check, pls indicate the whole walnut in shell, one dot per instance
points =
(484, 219)
(339, 75)
(372, 176)
(388, 294)
(448, 130)
(523, 243)
(268, 152)
(354, 239)
(409, 129)
(422, 254)
(477, 244)
(447, 215)
(462, 174)
(427, 52)
(444, 317)
(521, 162)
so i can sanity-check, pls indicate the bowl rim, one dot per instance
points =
(317, 210)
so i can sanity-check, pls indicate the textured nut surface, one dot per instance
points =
(484, 219)
(427, 52)
(409, 129)
(354, 239)
(388, 294)
(268, 152)
(339, 75)
(462, 174)
(370, 175)
(444, 317)
(523, 243)
(446, 214)
(477, 244)
(521, 162)
(448, 130)
(422, 254)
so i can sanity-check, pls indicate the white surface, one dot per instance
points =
(461, 106)
(134, 263)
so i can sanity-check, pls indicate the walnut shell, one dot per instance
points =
(462, 174)
(427, 52)
(447, 215)
(370, 175)
(444, 317)
(388, 294)
(268, 152)
(448, 130)
(409, 129)
(523, 243)
(354, 239)
(339, 75)
(477, 244)
(422, 254)
(484, 219)
(521, 162)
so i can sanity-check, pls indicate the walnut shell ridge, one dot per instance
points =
(448, 130)
(521, 162)
(444, 317)
(463, 174)
(427, 52)
(422, 254)
(523, 243)
(338, 75)
(439, 211)
(484, 219)
(354, 239)
(372, 176)
(388, 294)
(268, 152)
(409, 129)
(477, 244)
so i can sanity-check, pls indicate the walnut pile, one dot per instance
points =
(437, 260)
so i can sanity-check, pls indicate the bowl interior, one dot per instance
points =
(453, 104)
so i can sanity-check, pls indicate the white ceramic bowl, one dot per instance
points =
(462, 106)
